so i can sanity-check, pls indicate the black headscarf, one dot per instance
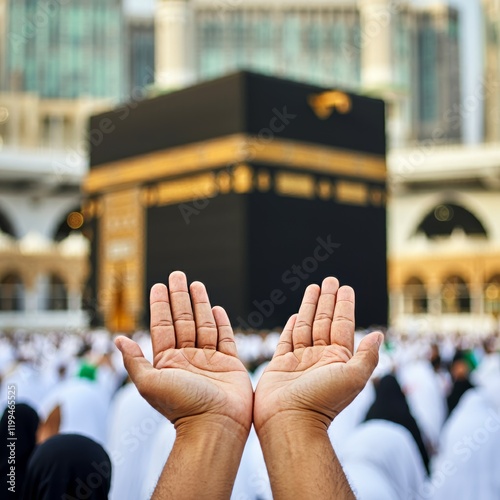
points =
(68, 466)
(24, 420)
(390, 404)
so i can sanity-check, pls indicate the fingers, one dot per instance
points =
(137, 366)
(342, 330)
(182, 312)
(226, 343)
(362, 364)
(324, 312)
(206, 329)
(162, 328)
(285, 343)
(302, 330)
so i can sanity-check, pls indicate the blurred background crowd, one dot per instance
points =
(427, 425)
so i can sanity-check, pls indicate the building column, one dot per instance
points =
(376, 43)
(396, 305)
(74, 300)
(377, 66)
(31, 299)
(477, 299)
(434, 300)
(174, 44)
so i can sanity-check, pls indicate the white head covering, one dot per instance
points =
(467, 463)
(158, 453)
(350, 417)
(422, 389)
(387, 453)
(132, 430)
(84, 408)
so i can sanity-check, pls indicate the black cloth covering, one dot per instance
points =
(25, 420)
(390, 404)
(68, 467)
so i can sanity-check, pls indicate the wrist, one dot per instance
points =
(199, 426)
(294, 421)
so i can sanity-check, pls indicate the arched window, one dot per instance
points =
(415, 296)
(492, 295)
(443, 219)
(11, 293)
(5, 225)
(57, 294)
(455, 295)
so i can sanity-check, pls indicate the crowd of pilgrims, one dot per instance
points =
(426, 426)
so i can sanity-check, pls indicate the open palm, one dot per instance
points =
(314, 373)
(196, 370)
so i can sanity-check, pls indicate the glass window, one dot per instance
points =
(415, 297)
(428, 74)
(11, 293)
(455, 296)
(57, 295)
(492, 295)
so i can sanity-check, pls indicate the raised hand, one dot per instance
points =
(314, 374)
(196, 374)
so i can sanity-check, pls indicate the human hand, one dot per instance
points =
(314, 375)
(196, 374)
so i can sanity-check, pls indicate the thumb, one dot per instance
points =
(362, 364)
(137, 366)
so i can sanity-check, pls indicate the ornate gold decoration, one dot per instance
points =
(217, 153)
(301, 185)
(121, 259)
(325, 189)
(242, 179)
(186, 189)
(321, 159)
(263, 180)
(352, 192)
(75, 220)
(325, 103)
(377, 197)
(224, 181)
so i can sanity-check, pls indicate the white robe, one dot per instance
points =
(132, 429)
(159, 451)
(382, 461)
(422, 388)
(350, 417)
(84, 408)
(467, 466)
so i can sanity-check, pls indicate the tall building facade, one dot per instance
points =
(64, 50)
(60, 62)
(140, 53)
(437, 116)
(407, 55)
(491, 16)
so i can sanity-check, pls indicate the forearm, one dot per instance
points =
(203, 462)
(301, 461)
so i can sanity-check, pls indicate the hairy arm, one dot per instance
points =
(312, 377)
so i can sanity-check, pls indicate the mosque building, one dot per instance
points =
(444, 237)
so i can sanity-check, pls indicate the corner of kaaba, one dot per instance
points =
(254, 185)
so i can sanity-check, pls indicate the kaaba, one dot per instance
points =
(254, 185)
